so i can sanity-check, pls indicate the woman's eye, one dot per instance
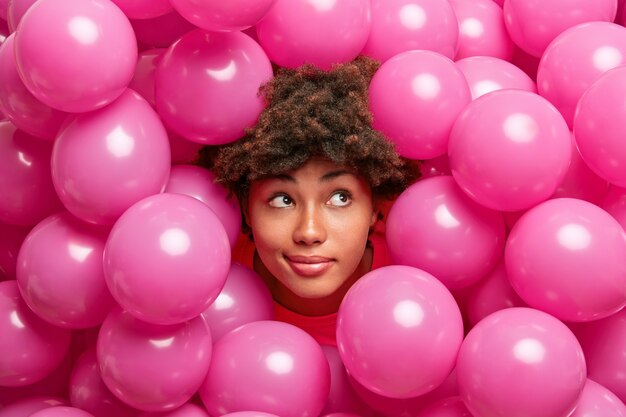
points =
(340, 199)
(281, 201)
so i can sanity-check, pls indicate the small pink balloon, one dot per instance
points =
(75, 56)
(19, 105)
(398, 331)
(27, 193)
(162, 31)
(30, 348)
(403, 25)
(481, 30)
(244, 298)
(27, 406)
(186, 410)
(11, 239)
(420, 85)
(533, 24)
(143, 9)
(88, 392)
(597, 401)
(509, 150)
(153, 367)
(215, 15)
(575, 59)
(200, 183)
(105, 161)
(267, 366)
(448, 407)
(520, 362)
(486, 74)
(614, 203)
(183, 151)
(207, 85)
(62, 411)
(143, 80)
(161, 237)
(598, 131)
(318, 32)
(434, 226)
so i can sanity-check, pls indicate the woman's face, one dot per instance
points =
(311, 227)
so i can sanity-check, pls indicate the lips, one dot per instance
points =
(309, 266)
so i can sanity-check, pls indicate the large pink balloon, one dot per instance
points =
(486, 74)
(11, 239)
(520, 362)
(62, 411)
(200, 183)
(27, 194)
(598, 131)
(105, 161)
(186, 410)
(399, 331)
(318, 32)
(244, 298)
(509, 149)
(418, 85)
(267, 366)
(162, 31)
(30, 348)
(434, 226)
(153, 367)
(533, 24)
(216, 15)
(27, 406)
(167, 258)
(597, 401)
(143, 9)
(207, 85)
(575, 59)
(403, 25)
(448, 407)
(77, 55)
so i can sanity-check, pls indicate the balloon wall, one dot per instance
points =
(119, 295)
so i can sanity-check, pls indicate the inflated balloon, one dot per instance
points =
(19, 105)
(448, 407)
(3, 9)
(244, 298)
(207, 85)
(75, 56)
(27, 193)
(186, 410)
(598, 131)
(267, 366)
(318, 32)
(162, 31)
(200, 183)
(27, 406)
(481, 30)
(143, 80)
(143, 9)
(106, 160)
(61, 411)
(15, 11)
(433, 219)
(30, 348)
(399, 331)
(509, 149)
(167, 258)
(575, 59)
(597, 401)
(528, 364)
(533, 24)
(11, 238)
(216, 15)
(88, 392)
(614, 202)
(486, 74)
(418, 85)
(153, 367)
(403, 25)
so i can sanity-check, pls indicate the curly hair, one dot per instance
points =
(311, 112)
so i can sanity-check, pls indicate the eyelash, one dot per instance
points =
(285, 196)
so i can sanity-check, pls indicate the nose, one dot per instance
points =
(310, 228)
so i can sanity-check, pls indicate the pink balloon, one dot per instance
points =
(399, 331)
(186, 410)
(19, 105)
(75, 56)
(143, 81)
(15, 10)
(162, 31)
(509, 150)
(244, 298)
(318, 32)
(161, 237)
(11, 238)
(403, 25)
(520, 362)
(598, 131)
(486, 74)
(200, 183)
(3, 9)
(153, 367)
(533, 24)
(61, 411)
(448, 407)
(88, 392)
(481, 30)
(434, 219)
(418, 85)
(597, 401)
(143, 9)
(105, 161)
(27, 194)
(30, 348)
(435, 166)
(216, 15)
(27, 406)
(183, 151)
(267, 366)
(614, 203)
(575, 59)
(207, 85)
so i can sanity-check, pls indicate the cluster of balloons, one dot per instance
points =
(118, 292)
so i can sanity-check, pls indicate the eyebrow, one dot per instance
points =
(329, 176)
